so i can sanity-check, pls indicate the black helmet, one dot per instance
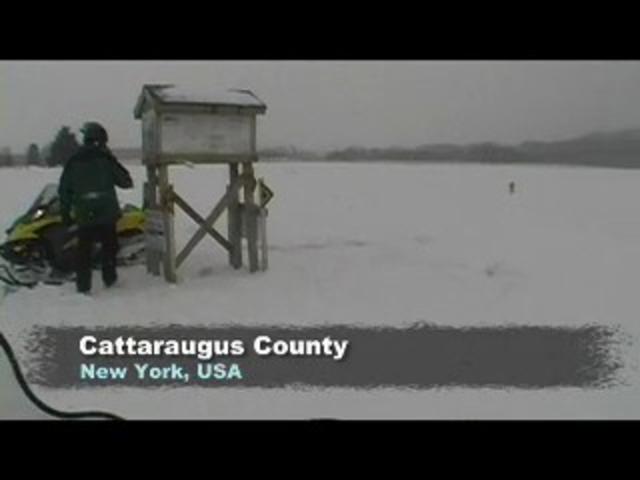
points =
(93, 132)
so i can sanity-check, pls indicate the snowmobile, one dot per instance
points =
(41, 248)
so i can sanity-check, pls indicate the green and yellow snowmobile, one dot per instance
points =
(40, 248)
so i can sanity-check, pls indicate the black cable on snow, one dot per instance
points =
(88, 415)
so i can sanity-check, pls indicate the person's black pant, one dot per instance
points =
(88, 237)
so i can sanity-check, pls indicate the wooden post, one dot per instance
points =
(166, 204)
(147, 196)
(250, 216)
(250, 208)
(150, 202)
(262, 231)
(234, 221)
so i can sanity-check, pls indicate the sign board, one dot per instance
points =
(266, 194)
(154, 231)
(185, 133)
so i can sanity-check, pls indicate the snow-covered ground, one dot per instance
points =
(378, 244)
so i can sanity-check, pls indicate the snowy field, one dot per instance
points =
(377, 244)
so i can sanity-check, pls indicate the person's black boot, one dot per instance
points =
(109, 276)
(83, 281)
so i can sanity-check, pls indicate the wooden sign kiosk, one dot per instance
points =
(182, 128)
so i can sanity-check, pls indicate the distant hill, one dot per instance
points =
(607, 149)
(613, 149)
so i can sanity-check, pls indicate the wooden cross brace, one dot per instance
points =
(206, 224)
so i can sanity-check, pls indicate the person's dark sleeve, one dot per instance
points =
(122, 177)
(65, 192)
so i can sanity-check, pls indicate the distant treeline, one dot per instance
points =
(613, 149)
(55, 153)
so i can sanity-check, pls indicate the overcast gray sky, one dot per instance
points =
(324, 105)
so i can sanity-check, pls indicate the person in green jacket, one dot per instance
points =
(88, 196)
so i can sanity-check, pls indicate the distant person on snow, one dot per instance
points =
(87, 192)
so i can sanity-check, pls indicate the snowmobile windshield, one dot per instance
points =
(47, 197)
(46, 203)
